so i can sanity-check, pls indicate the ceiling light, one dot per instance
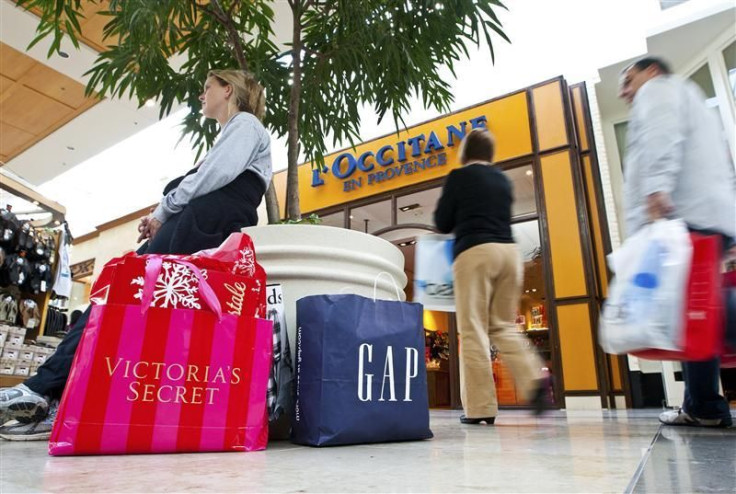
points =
(352, 217)
(35, 202)
(63, 54)
(404, 209)
(70, 148)
(528, 173)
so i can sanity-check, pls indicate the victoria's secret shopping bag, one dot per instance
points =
(361, 376)
(149, 379)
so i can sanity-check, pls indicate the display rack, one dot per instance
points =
(17, 190)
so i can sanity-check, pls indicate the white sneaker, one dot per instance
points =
(35, 431)
(680, 417)
(22, 404)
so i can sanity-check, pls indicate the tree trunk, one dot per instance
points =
(293, 211)
(232, 33)
(272, 205)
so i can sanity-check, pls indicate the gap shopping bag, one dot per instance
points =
(361, 376)
(702, 317)
(646, 299)
(148, 379)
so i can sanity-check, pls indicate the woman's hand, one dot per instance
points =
(143, 228)
(148, 227)
(154, 226)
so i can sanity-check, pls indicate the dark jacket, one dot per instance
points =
(207, 221)
(476, 206)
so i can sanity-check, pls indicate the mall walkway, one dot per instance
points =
(623, 451)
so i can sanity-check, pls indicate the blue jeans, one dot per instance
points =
(701, 391)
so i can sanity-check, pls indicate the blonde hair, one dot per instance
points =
(478, 145)
(248, 95)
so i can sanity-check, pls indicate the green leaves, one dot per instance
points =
(375, 52)
(381, 52)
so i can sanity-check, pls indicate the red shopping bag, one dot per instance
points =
(149, 379)
(238, 281)
(238, 295)
(702, 337)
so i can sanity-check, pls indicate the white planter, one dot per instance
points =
(313, 260)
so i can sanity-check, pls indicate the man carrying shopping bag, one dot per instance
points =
(677, 166)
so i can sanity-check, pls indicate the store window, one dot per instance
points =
(620, 130)
(729, 57)
(418, 207)
(334, 219)
(525, 194)
(702, 78)
(372, 217)
(531, 315)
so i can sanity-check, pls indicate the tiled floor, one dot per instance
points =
(562, 452)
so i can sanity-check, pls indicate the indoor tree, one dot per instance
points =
(342, 55)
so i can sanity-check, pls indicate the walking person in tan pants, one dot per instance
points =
(476, 206)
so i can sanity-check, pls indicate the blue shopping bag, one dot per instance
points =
(361, 376)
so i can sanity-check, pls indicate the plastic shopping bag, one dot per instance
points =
(702, 328)
(646, 299)
(433, 279)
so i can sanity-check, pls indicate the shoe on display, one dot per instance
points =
(487, 420)
(35, 431)
(680, 417)
(21, 404)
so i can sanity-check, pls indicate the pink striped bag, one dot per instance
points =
(160, 380)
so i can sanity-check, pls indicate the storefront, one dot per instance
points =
(389, 187)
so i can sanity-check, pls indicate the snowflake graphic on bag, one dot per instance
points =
(246, 264)
(176, 286)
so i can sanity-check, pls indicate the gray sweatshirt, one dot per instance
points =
(243, 144)
(676, 145)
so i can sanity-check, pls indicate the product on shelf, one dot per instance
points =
(7, 367)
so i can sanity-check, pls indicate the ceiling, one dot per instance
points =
(51, 129)
(35, 100)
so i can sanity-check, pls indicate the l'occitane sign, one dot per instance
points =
(419, 154)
